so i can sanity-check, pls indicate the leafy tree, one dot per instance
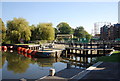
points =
(81, 33)
(88, 36)
(45, 31)
(18, 29)
(64, 28)
(2, 31)
(56, 31)
(33, 32)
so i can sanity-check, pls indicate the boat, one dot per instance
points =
(48, 53)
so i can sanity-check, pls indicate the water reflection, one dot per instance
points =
(19, 65)
(77, 61)
(47, 63)
(19, 62)
(16, 63)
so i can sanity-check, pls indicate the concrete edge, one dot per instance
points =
(111, 52)
(41, 78)
(86, 71)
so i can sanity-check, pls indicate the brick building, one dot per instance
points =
(104, 32)
(110, 32)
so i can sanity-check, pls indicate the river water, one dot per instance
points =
(17, 66)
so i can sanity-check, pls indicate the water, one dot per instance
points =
(17, 66)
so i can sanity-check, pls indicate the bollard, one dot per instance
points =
(52, 72)
(68, 65)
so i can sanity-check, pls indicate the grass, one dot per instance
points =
(115, 57)
(116, 52)
(26, 44)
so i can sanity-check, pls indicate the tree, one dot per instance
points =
(45, 31)
(64, 28)
(81, 33)
(56, 31)
(88, 36)
(33, 32)
(18, 29)
(2, 31)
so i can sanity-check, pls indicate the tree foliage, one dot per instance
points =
(45, 31)
(81, 33)
(2, 31)
(18, 29)
(33, 32)
(56, 31)
(64, 28)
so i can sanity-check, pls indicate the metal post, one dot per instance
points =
(103, 47)
(68, 65)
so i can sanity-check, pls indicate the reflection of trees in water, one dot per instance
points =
(47, 62)
(2, 59)
(19, 64)
(16, 63)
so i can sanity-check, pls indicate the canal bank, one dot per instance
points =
(69, 74)
(105, 71)
(100, 71)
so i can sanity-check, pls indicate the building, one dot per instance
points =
(110, 32)
(104, 32)
(96, 36)
(117, 31)
(64, 36)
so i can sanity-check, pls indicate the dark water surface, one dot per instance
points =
(17, 66)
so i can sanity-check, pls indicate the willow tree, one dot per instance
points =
(2, 31)
(18, 29)
(45, 31)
